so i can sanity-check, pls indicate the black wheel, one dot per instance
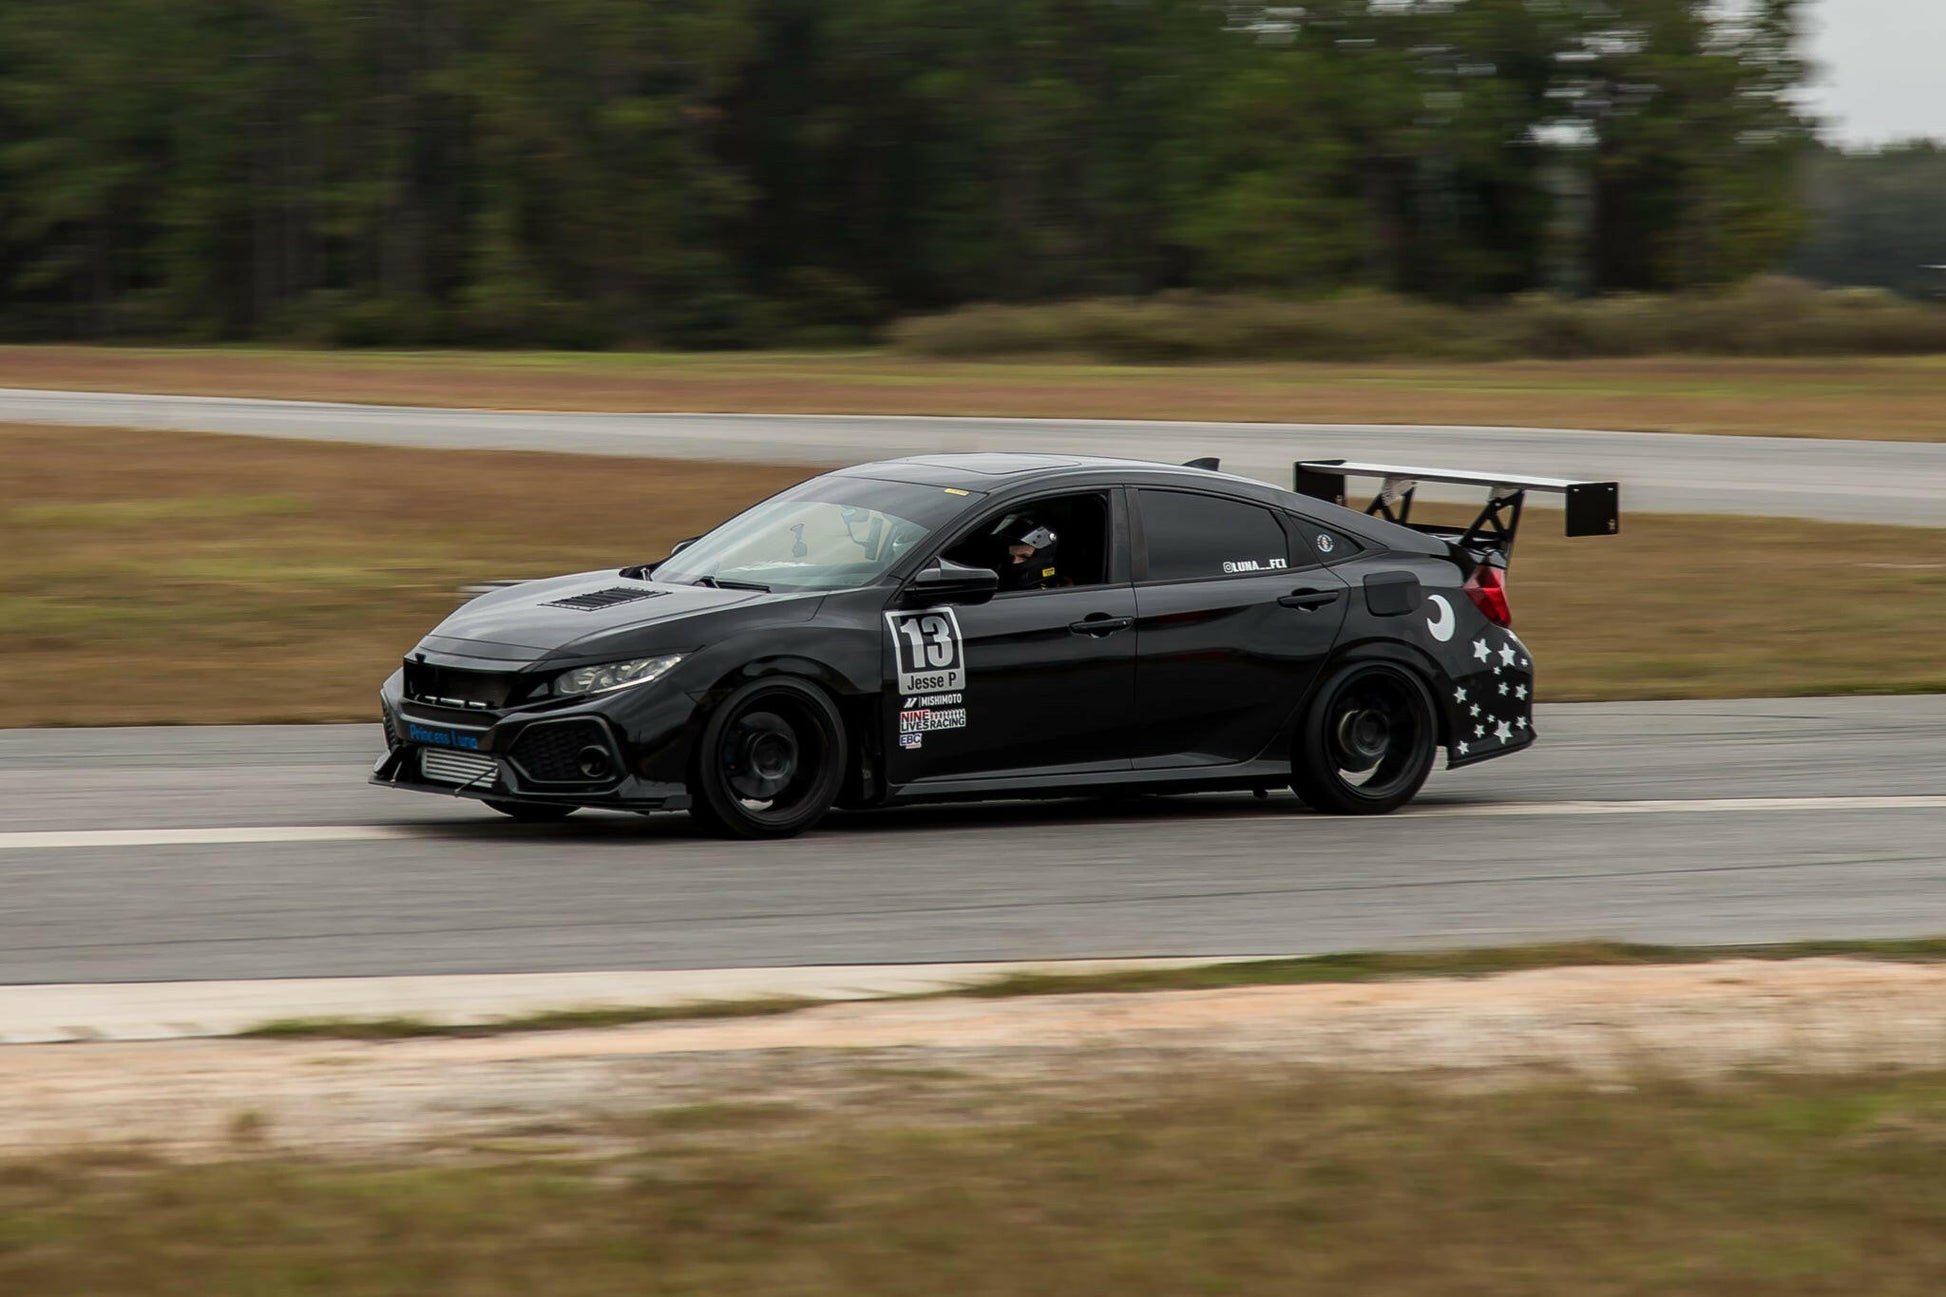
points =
(770, 761)
(532, 812)
(1368, 742)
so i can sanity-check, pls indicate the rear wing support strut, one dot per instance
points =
(1593, 508)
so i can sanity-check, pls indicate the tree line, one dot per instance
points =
(1877, 217)
(742, 172)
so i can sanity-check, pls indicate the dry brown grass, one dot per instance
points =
(162, 577)
(166, 577)
(1206, 1184)
(1715, 607)
(1883, 398)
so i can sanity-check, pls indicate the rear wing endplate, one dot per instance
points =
(1593, 508)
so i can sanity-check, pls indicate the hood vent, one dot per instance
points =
(597, 599)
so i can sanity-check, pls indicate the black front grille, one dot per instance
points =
(449, 687)
(608, 598)
(546, 752)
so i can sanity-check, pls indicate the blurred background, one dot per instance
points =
(763, 173)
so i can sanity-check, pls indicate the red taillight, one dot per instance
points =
(1487, 588)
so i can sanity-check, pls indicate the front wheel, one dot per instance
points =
(770, 761)
(1367, 743)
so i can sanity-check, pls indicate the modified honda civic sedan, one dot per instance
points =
(988, 626)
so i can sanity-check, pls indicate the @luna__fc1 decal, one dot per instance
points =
(1497, 699)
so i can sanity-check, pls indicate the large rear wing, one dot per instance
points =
(1593, 508)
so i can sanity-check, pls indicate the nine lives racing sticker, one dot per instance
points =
(924, 720)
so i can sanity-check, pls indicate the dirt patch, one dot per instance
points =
(957, 1059)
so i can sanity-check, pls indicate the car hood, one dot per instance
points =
(543, 618)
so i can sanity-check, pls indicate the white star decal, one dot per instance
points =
(1520, 691)
(1520, 722)
(1480, 649)
(1496, 670)
(1507, 654)
(1459, 695)
(1476, 709)
(1524, 662)
(1462, 747)
(1479, 731)
(1503, 688)
(1503, 731)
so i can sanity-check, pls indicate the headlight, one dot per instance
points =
(612, 675)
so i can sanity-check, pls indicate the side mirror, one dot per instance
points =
(950, 582)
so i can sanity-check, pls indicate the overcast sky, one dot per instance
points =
(1882, 68)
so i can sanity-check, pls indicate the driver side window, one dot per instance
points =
(1052, 543)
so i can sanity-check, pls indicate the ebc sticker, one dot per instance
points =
(929, 650)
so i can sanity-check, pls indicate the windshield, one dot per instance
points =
(831, 533)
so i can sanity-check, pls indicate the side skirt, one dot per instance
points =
(1240, 777)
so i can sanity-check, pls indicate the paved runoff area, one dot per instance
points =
(1842, 481)
(259, 854)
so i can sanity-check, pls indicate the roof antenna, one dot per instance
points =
(1210, 462)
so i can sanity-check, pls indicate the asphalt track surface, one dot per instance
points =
(164, 854)
(1842, 481)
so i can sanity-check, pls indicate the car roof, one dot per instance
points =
(997, 470)
(989, 472)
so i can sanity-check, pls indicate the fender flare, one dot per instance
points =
(857, 711)
(1396, 653)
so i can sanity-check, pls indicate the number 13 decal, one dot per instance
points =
(930, 652)
(931, 640)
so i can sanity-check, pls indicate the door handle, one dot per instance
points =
(1099, 624)
(1308, 599)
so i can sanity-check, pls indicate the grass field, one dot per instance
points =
(1892, 399)
(169, 577)
(1225, 1180)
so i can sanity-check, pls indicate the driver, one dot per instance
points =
(1024, 553)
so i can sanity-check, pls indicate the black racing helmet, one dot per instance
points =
(1035, 569)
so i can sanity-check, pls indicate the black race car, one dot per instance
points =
(989, 625)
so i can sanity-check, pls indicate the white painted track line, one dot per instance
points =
(318, 833)
(1681, 806)
(216, 837)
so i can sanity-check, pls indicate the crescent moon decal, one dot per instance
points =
(1442, 623)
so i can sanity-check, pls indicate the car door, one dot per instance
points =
(1033, 682)
(1231, 628)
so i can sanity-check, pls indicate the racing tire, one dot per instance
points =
(770, 761)
(1368, 741)
(532, 812)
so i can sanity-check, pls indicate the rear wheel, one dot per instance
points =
(770, 762)
(1367, 743)
(532, 812)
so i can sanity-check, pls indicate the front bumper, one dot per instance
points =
(627, 757)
